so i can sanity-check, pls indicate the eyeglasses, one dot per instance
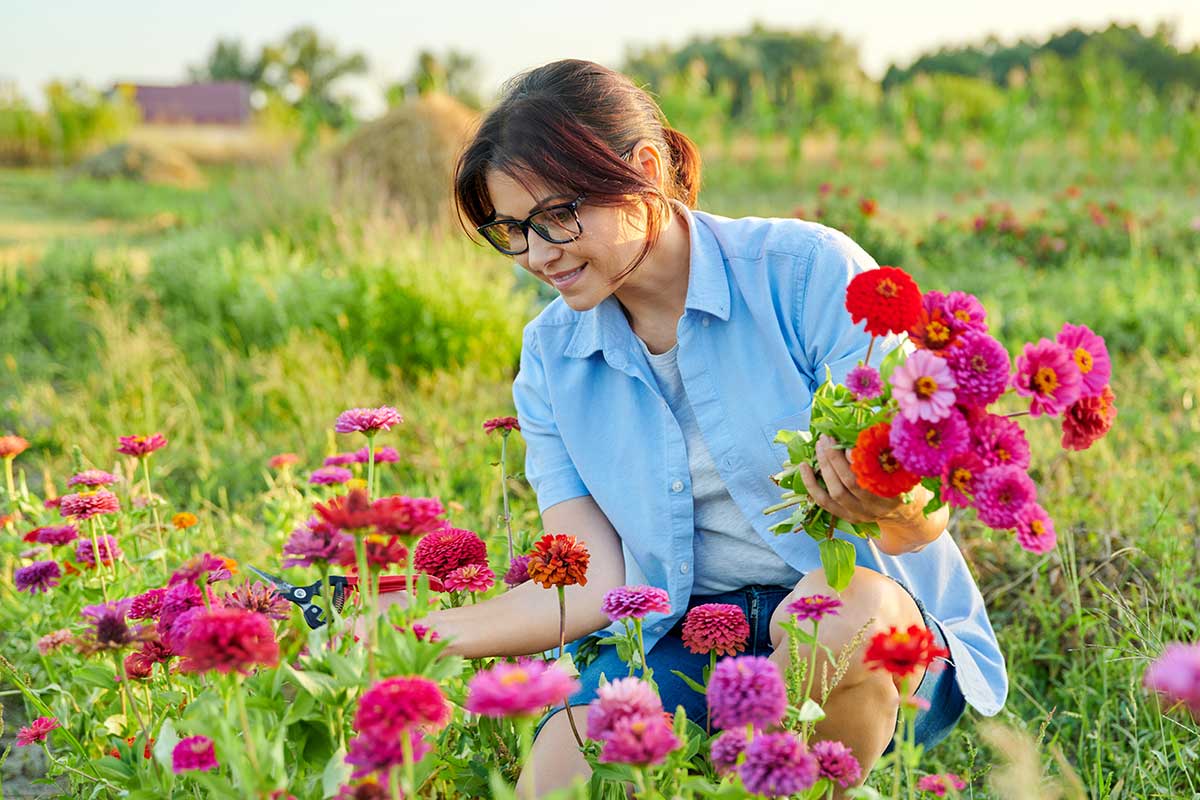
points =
(557, 224)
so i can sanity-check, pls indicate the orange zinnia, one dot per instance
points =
(558, 560)
(12, 446)
(876, 466)
(184, 519)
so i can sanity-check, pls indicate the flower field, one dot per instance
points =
(206, 391)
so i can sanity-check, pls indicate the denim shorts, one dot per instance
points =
(938, 687)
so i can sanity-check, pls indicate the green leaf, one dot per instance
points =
(113, 769)
(95, 675)
(164, 744)
(837, 559)
(336, 773)
(695, 686)
(567, 664)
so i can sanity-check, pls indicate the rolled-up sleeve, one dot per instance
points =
(829, 337)
(548, 466)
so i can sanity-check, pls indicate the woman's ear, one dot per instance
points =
(647, 158)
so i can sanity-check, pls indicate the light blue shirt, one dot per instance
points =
(765, 313)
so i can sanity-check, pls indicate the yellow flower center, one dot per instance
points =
(514, 677)
(960, 479)
(1002, 454)
(887, 288)
(937, 332)
(1037, 527)
(933, 438)
(926, 386)
(1044, 381)
(888, 462)
(978, 364)
(962, 315)
(1084, 359)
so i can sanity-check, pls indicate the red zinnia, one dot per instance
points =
(347, 512)
(887, 298)
(719, 628)
(502, 424)
(901, 652)
(228, 639)
(558, 560)
(1088, 420)
(443, 551)
(876, 466)
(408, 516)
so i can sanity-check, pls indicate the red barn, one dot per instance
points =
(225, 103)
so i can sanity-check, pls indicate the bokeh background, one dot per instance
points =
(229, 222)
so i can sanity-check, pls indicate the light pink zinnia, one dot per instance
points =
(1035, 529)
(1176, 675)
(635, 602)
(92, 477)
(195, 753)
(622, 698)
(512, 690)
(367, 420)
(959, 478)
(924, 387)
(814, 607)
(924, 447)
(999, 441)
(940, 784)
(746, 690)
(470, 578)
(1090, 354)
(1001, 493)
(86, 505)
(981, 369)
(36, 732)
(1047, 373)
(383, 455)
(864, 382)
(54, 640)
(340, 460)
(141, 446)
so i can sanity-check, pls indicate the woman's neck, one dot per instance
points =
(654, 296)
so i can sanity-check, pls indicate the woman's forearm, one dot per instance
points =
(908, 530)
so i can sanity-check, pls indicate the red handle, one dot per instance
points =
(395, 583)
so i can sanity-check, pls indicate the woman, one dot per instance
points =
(649, 394)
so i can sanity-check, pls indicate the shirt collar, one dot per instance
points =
(605, 327)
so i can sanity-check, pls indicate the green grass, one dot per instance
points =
(245, 325)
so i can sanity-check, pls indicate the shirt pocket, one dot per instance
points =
(796, 421)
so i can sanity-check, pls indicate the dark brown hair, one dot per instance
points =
(566, 124)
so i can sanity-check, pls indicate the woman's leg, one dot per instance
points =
(556, 760)
(861, 709)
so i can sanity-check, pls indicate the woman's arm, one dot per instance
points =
(524, 620)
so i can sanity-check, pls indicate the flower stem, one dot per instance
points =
(410, 780)
(98, 561)
(504, 494)
(368, 604)
(246, 732)
(562, 639)
(93, 778)
(12, 492)
(162, 555)
(371, 465)
(124, 676)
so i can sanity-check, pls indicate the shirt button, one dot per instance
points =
(728, 462)
(677, 486)
(683, 568)
(704, 322)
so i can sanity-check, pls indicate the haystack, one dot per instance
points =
(408, 156)
(145, 162)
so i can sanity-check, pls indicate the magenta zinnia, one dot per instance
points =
(192, 754)
(959, 478)
(108, 547)
(470, 578)
(503, 424)
(980, 367)
(746, 690)
(814, 607)
(526, 687)
(400, 515)
(1176, 675)
(325, 476)
(924, 387)
(518, 571)
(864, 382)
(443, 551)
(719, 628)
(402, 702)
(57, 534)
(1047, 373)
(367, 420)
(36, 732)
(315, 542)
(635, 602)
(726, 748)
(778, 765)
(836, 762)
(92, 477)
(1035, 529)
(86, 505)
(924, 447)
(1001, 493)
(940, 784)
(229, 640)
(999, 441)
(40, 576)
(141, 446)
(1090, 355)
(109, 628)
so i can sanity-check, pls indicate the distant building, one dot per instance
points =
(225, 103)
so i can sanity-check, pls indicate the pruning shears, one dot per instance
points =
(306, 597)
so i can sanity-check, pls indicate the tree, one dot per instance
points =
(456, 74)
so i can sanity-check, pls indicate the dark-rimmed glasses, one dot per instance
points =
(557, 224)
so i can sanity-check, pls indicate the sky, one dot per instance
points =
(122, 40)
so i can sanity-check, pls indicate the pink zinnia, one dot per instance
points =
(207, 564)
(367, 420)
(635, 602)
(228, 640)
(400, 515)
(511, 690)
(620, 699)
(980, 367)
(340, 460)
(40, 576)
(92, 477)
(1035, 529)
(940, 784)
(383, 455)
(195, 753)
(259, 598)
(86, 505)
(778, 765)
(54, 640)
(325, 476)
(57, 535)
(814, 607)
(719, 628)
(1090, 354)
(1047, 373)
(503, 424)
(1088, 420)
(746, 690)
(109, 551)
(443, 551)
(726, 748)
(924, 387)
(403, 702)
(639, 740)
(370, 753)
(959, 478)
(999, 442)
(1176, 675)
(964, 312)
(141, 446)
(518, 571)
(924, 447)
(470, 578)
(837, 762)
(864, 382)
(36, 732)
(1001, 493)
(315, 542)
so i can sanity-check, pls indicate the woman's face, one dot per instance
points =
(611, 239)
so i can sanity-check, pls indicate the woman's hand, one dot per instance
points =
(384, 601)
(903, 527)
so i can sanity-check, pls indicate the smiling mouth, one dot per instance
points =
(562, 277)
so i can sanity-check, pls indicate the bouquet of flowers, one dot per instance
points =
(924, 417)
